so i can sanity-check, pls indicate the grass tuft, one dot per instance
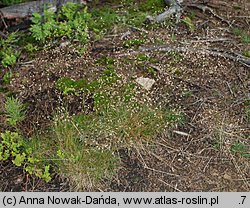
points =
(15, 111)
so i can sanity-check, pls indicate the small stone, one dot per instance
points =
(227, 177)
(215, 173)
(146, 83)
(149, 20)
(64, 44)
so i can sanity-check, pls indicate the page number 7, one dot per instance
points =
(243, 199)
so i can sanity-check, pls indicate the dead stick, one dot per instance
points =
(2, 19)
(2, 35)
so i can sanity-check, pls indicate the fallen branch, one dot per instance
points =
(206, 8)
(210, 51)
(174, 8)
(208, 40)
(28, 8)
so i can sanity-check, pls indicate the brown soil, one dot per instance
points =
(209, 90)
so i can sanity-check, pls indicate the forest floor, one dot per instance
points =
(209, 151)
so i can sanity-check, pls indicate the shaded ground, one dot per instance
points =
(209, 90)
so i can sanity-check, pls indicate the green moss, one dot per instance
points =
(68, 85)
(240, 149)
(106, 61)
(133, 42)
(152, 5)
(103, 19)
(246, 53)
(7, 77)
(244, 36)
(136, 18)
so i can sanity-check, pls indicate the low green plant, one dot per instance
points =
(175, 56)
(8, 53)
(192, 15)
(135, 18)
(7, 77)
(103, 19)
(173, 37)
(30, 48)
(14, 147)
(151, 71)
(154, 6)
(70, 86)
(81, 50)
(143, 60)
(244, 36)
(74, 23)
(43, 27)
(84, 145)
(9, 58)
(137, 11)
(116, 112)
(189, 23)
(240, 149)
(173, 117)
(133, 42)
(82, 163)
(106, 61)
(246, 53)
(187, 93)
(142, 57)
(15, 111)
(237, 31)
